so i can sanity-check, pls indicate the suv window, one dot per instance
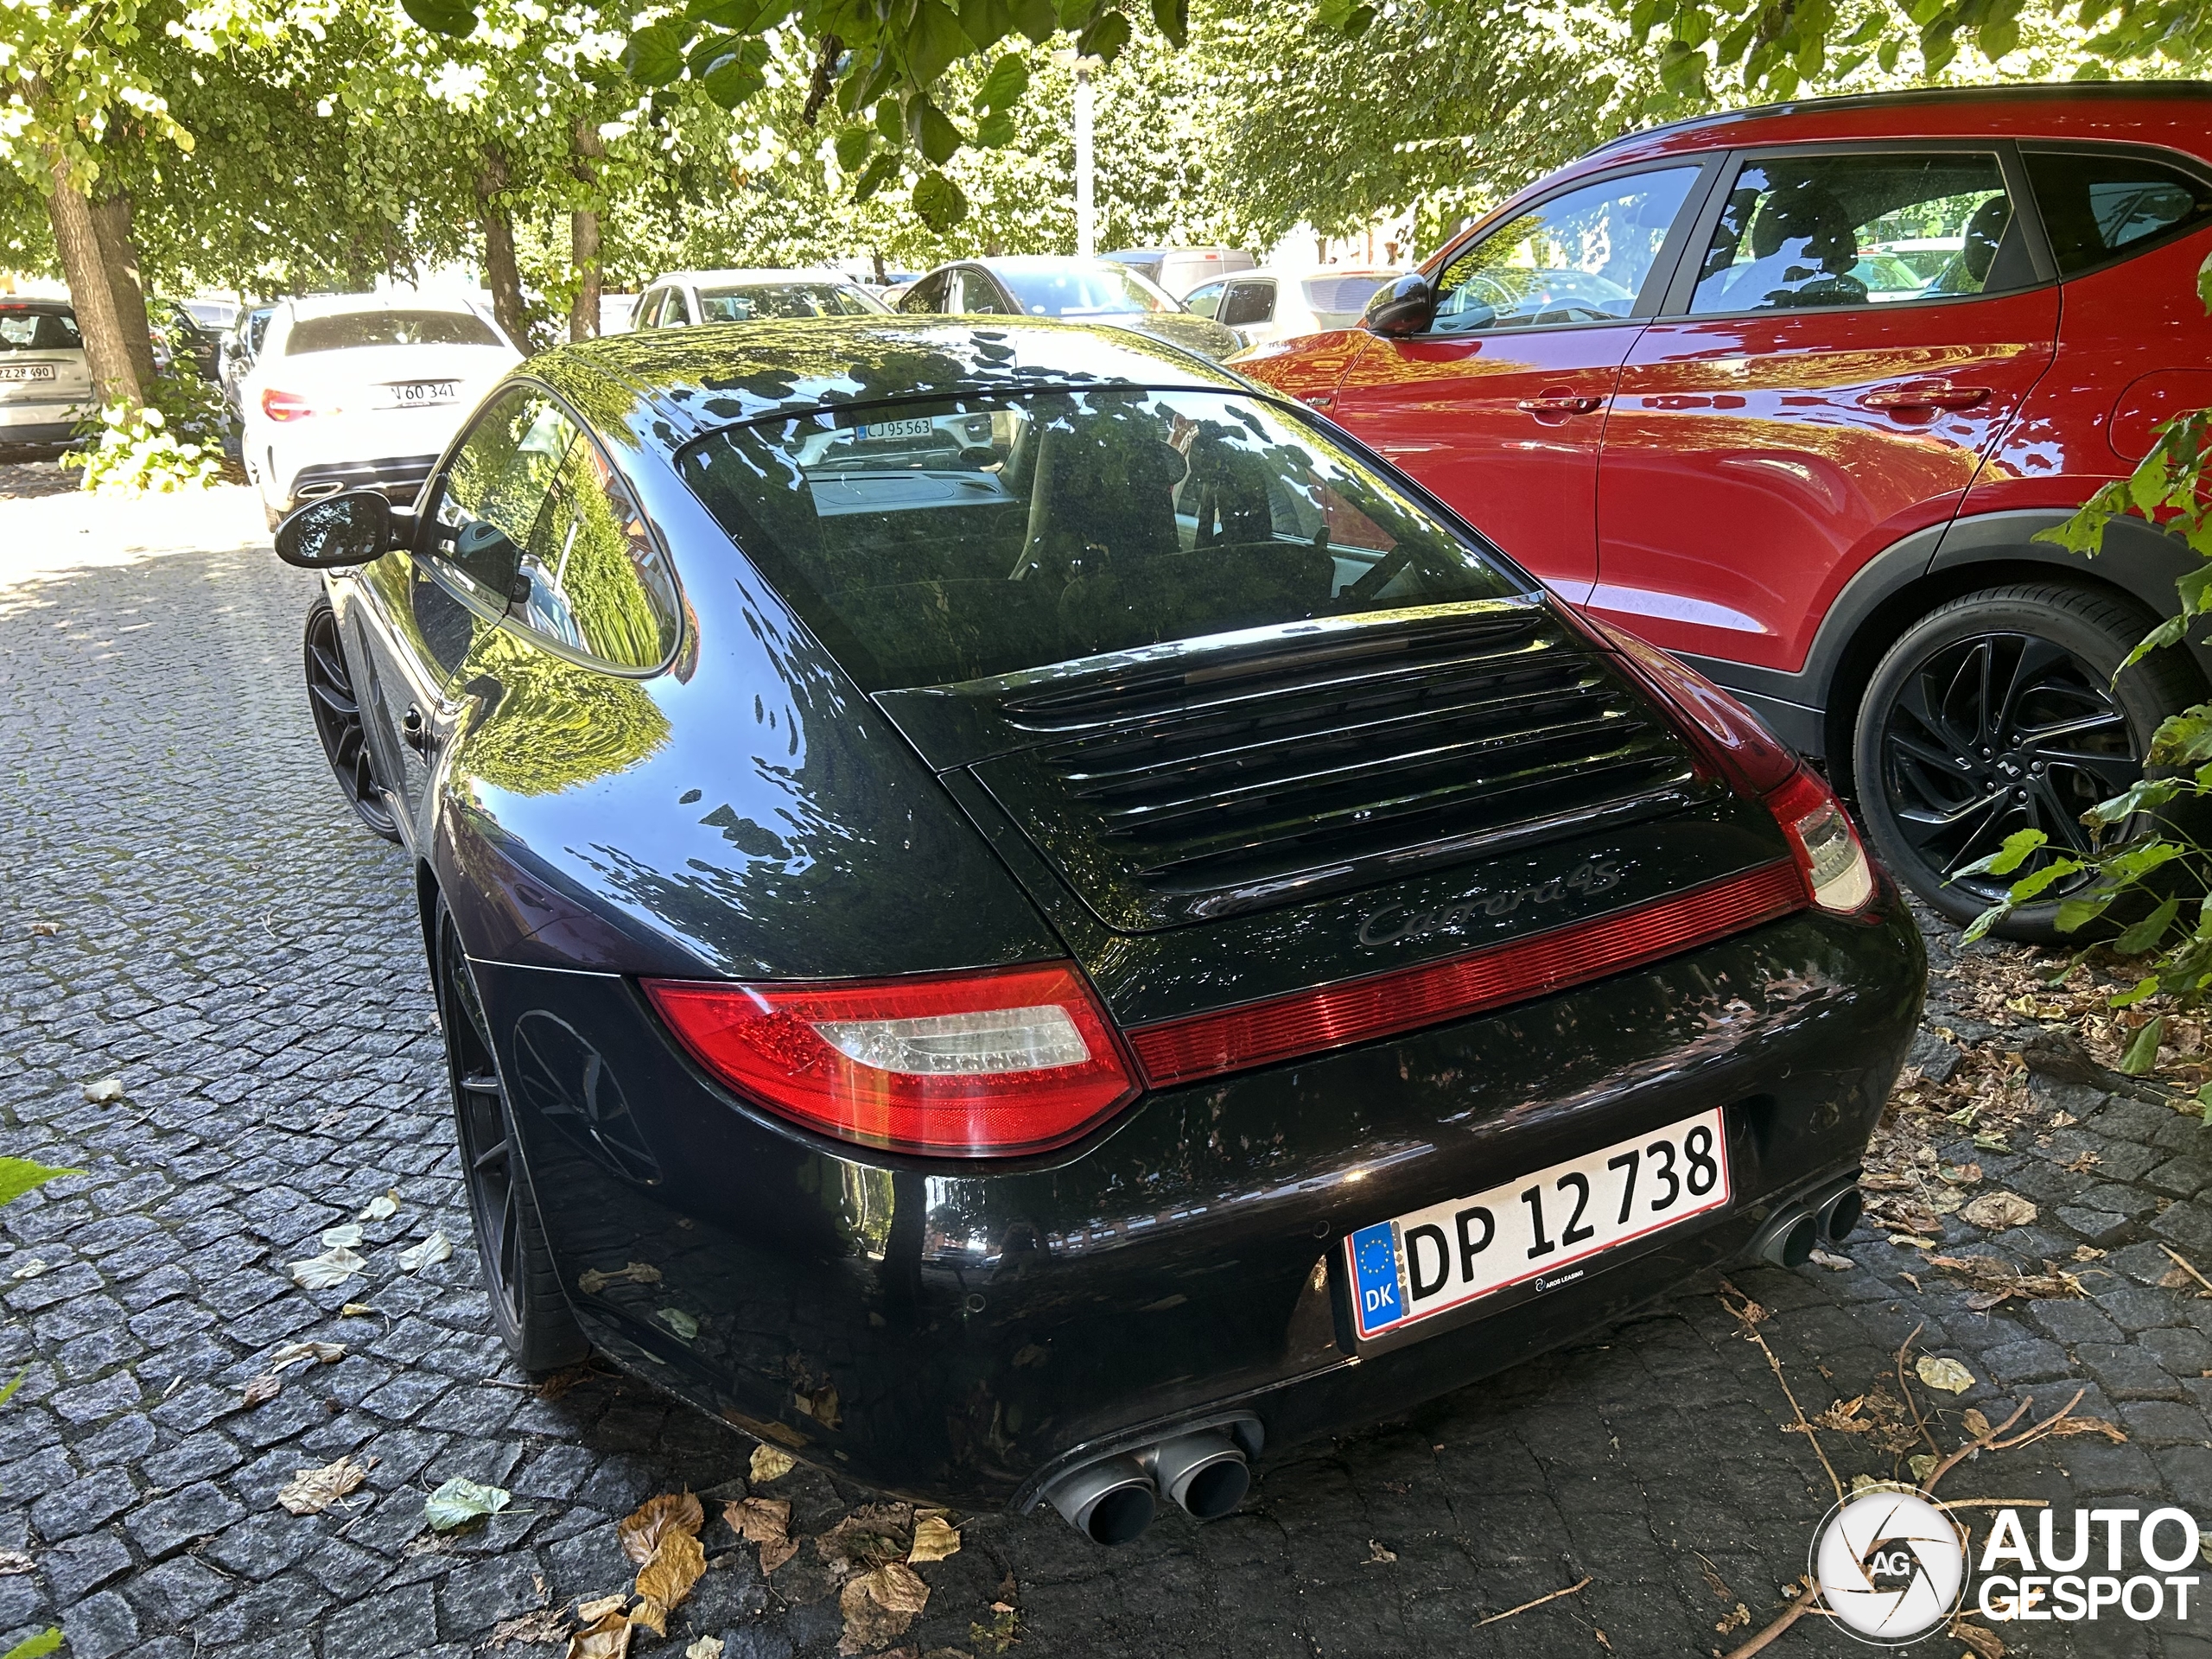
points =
(494, 493)
(1247, 303)
(1808, 232)
(1582, 256)
(1204, 301)
(599, 586)
(2097, 206)
(38, 331)
(927, 295)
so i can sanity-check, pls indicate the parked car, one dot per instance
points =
(1178, 270)
(698, 296)
(358, 390)
(1669, 380)
(1024, 979)
(234, 357)
(617, 313)
(177, 330)
(1080, 290)
(45, 386)
(1272, 304)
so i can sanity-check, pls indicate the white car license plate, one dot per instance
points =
(406, 394)
(1535, 1228)
(25, 370)
(895, 430)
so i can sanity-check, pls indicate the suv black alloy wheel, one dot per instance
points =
(1998, 712)
(337, 714)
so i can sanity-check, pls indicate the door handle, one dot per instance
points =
(1560, 402)
(1925, 395)
(414, 729)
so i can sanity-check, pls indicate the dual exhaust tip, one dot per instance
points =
(1114, 1500)
(1794, 1231)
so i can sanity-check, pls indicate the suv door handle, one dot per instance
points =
(1925, 395)
(1560, 402)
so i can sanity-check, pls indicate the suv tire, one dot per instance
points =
(1997, 711)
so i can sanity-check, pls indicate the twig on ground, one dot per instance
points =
(1790, 1614)
(2184, 1263)
(1538, 1602)
(1995, 1441)
(1911, 1404)
(1801, 1427)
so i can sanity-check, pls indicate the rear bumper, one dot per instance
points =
(400, 478)
(961, 1337)
(37, 425)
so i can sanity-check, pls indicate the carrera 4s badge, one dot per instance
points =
(1394, 922)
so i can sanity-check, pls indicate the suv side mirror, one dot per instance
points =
(352, 528)
(1406, 307)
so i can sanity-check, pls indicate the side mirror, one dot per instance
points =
(1406, 307)
(354, 528)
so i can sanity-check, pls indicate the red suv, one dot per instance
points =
(1791, 392)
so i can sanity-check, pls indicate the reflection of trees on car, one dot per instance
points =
(555, 725)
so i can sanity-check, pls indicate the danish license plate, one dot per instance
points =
(408, 394)
(894, 429)
(1543, 1227)
(25, 370)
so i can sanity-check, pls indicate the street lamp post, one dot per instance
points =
(1086, 234)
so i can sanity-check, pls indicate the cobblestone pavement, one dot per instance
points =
(245, 961)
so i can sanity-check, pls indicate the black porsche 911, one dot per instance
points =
(1015, 914)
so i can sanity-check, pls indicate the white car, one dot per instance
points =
(45, 388)
(363, 391)
(686, 297)
(1274, 303)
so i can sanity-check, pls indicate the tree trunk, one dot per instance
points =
(583, 236)
(119, 254)
(500, 273)
(114, 379)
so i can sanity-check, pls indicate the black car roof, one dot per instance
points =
(715, 375)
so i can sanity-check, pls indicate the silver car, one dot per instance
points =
(46, 388)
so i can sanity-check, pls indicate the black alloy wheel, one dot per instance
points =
(337, 714)
(528, 1308)
(1998, 712)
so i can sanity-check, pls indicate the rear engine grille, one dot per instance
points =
(1198, 792)
(400, 478)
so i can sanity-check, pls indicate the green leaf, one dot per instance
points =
(1682, 70)
(1998, 37)
(2013, 852)
(736, 16)
(985, 22)
(1075, 14)
(453, 17)
(2031, 887)
(1693, 25)
(2205, 1100)
(31, 1647)
(2143, 1054)
(654, 55)
(2168, 633)
(2078, 913)
(2139, 797)
(1978, 928)
(939, 202)
(935, 136)
(880, 173)
(461, 1501)
(1172, 19)
(1108, 33)
(2145, 934)
(731, 82)
(1035, 18)
(934, 40)
(994, 131)
(853, 146)
(19, 1175)
(9, 1392)
(1647, 15)
(891, 121)
(1003, 87)
(2146, 986)
(2204, 281)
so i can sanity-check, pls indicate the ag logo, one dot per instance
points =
(1892, 1567)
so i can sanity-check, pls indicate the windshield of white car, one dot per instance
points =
(351, 328)
(28, 330)
(754, 301)
(1083, 291)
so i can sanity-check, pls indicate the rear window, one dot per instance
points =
(931, 544)
(38, 331)
(763, 300)
(1080, 291)
(351, 329)
(2097, 206)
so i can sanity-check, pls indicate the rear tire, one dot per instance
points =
(529, 1310)
(1997, 711)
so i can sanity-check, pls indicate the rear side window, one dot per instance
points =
(1818, 231)
(2097, 206)
(762, 300)
(1582, 256)
(352, 328)
(38, 331)
(1247, 303)
(931, 543)
(1203, 302)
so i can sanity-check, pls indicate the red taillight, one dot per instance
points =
(286, 406)
(982, 1064)
(1820, 834)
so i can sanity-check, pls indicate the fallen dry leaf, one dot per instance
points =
(675, 1568)
(608, 1637)
(1923, 1465)
(460, 1501)
(46, 930)
(1945, 1373)
(104, 1089)
(590, 1612)
(1994, 1280)
(435, 1249)
(821, 1404)
(1985, 1644)
(650, 1615)
(1378, 1556)
(343, 1238)
(356, 1311)
(766, 1521)
(322, 1271)
(2111, 1432)
(306, 1353)
(1995, 1211)
(262, 1390)
(706, 1647)
(678, 1321)
(878, 1605)
(36, 1265)
(1843, 1417)
(547, 1624)
(310, 1491)
(383, 1207)
(1837, 1263)
(934, 1538)
(643, 1528)
(593, 1279)
(770, 1463)
(870, 1535)
(13, 1561)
